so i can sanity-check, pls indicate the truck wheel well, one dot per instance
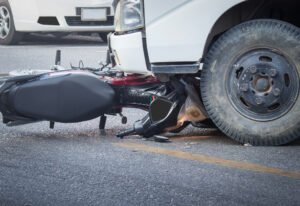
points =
(285, 10)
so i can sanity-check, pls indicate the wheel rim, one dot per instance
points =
(4, 22)
(263, 85)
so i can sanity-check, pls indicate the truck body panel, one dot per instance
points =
(179, 33)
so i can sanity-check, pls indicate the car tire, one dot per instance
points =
(8, 33)
(250, 83)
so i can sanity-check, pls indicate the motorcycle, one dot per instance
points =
(80, 94)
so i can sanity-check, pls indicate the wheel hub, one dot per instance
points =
(263, 85)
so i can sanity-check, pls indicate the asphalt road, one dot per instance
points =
(38, 52)
(76, 164)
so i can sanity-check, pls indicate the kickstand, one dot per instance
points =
(102, 123)
(52, 124)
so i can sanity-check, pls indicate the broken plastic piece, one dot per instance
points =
(158, 138)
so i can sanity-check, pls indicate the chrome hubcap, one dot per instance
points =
(4, 22)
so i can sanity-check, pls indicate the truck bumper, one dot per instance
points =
(128, 52)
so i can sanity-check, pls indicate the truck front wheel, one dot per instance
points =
(250, 82)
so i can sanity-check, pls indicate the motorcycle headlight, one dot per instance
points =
(129, 15)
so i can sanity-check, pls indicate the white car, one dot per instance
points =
(18, 17)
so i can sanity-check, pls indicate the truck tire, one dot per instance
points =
(250, 83)
(8, 33)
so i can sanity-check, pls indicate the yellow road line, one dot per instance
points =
(211, 160)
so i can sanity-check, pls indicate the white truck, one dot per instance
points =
(245, 53)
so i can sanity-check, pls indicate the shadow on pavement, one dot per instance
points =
(211, 135)
(295, 143)
(71, 40)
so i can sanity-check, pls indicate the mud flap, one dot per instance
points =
(65, 97)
